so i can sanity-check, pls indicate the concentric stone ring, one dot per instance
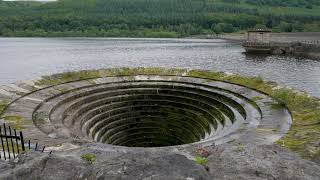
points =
(150, 111)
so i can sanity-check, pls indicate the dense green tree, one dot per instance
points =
(217, 28)
(227, 28)
(158, 18)
(298, 27)
(285, 27)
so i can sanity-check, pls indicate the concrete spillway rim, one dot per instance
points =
(208, 79)
(1, 113)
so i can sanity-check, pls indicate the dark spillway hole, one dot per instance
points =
(152, 116)
(152, 123)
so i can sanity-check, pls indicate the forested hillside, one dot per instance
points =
(155, 18)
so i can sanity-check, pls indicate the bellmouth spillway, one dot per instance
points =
(149, 111)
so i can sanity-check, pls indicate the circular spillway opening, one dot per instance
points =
(152, 114)
(155, 111)
(148, 113)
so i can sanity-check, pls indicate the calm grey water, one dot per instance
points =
(29, 58)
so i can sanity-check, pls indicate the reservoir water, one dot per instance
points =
(29, 58)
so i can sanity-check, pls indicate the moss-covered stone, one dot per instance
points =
(90, 158)
(15, 121)
(81, 75)
(3, 105)
(305, 130)
(256, 98)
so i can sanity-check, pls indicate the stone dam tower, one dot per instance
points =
(259, 35)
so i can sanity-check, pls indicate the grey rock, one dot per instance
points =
(260, 162)
(112, 163)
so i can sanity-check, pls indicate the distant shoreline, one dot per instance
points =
(236, 37)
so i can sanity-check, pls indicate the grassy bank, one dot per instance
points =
(302, 138)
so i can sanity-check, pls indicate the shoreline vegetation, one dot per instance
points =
(231, 37)
(302, 137)
(141, 33)
(155, 18)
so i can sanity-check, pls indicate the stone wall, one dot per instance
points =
(263, 37)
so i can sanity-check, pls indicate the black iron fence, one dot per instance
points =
(12, 143)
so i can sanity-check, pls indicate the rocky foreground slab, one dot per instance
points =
(101, 161)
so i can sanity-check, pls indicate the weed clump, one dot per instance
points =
(90, 158)
(201, 157)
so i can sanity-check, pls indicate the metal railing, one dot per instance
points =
(12, 143)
